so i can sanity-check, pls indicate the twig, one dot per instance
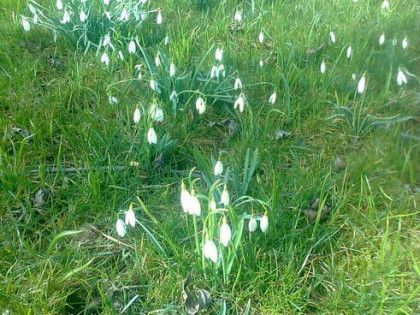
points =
(109, 237)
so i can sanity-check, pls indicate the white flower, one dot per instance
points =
(136, 115)
(238, 16)
(66, 18)
(264, 223)
(106, 2)
(124, 15)
(238, 84)
(166, 40)
(132, 47)
(105, 58)
(332, 37)
(195, 207)
(185, 199)
(156, 113)
(261, 63)
(221, 70)
(107, 40)
(240, 102)
(214, 72)
(401, 78)
(218, 54)
(25, 24)
(404, 43)
(82, 16)
(252, 225)
(382, 39)
(154, 86)
(261, 37)
(173, 96)
(112, 100)
(349, 51)
(172, 70)
(159, 18)
(210, 250)
(121, 228)
(130, 217)
(225, 198)
(225, 233)
(212, 205)
(200, 105)
(385, 5)
(362, 84)
(273, 98)
(59, 5)
(157, 60)
(218, 168)
(151, 136)
(143, 1)
(323, 67)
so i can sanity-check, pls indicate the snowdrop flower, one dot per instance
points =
(218, 168)
(224, 197)
(238, 84)
(136, 115)
(401, 78)
(166, 41)
(323, 67)
(172, 70)
(59, 5)
(82, 16)
(210, 250)
(264, 223)
(154, 86)
(121, 228)
(214, 72)
(185, 199)
(130, 217)
(132, 47)
(240, 102)
(238, 16)
(195, 207)
(156, 113)
(173, 97)
(151, 136)
(124, 15)
(157, 60)
(385, 5)
(159, 18)
(362, 84)
(273, 98)
(107, 40)
(106, 2)
(225, 233)
(219, 54)
(252, 225)
(105, 58)
(143, 1)
(382, 39)
(349, 51)
(261, 63)
(261, 37)
(112, 100)
(25, 24)
(66, 18)
(200, 105)
(404, 43)
(332, 37)
(221, 70)
(212, 205)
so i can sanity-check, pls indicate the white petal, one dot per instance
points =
(252, 225)
(264, 223)
(210, 251)
(130, 218)
(121, 228)
(218, 168)
(225, 234)
(136, 115)
(151, 136)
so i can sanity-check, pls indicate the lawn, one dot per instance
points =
(212, 157)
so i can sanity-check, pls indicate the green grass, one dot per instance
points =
(357, 153)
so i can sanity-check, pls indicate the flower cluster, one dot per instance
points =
(130, 219)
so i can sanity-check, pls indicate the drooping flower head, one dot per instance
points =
(210, 250)
(225, 232)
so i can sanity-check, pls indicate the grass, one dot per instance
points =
(356, 153)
